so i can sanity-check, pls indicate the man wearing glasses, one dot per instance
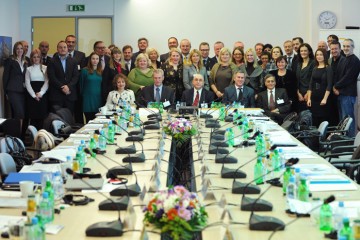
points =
(99, 49)
(208, 62)
(172, 43)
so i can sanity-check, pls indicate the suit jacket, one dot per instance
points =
(58, 78)
(13, 77)
(147, 95)
(205, 97)
(46, 61)
(210, 62)
(214, 59)
(164, 57)
(126, 71)
(79, 58)
(188, 74)
(294, 63)
(280, 94)
(248, 99)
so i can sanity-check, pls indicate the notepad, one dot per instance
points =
(15, 178)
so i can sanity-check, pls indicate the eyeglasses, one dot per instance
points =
(204, 50)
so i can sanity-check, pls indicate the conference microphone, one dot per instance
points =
(103, 229)
(240, 188)
(153, 114)
(129, 190)
(121, 150)
(215, 123)
(136, 132)
(237, 173)
(249, 204)
(207, 115)
(130, 138)
(221, 158)
(328, 200)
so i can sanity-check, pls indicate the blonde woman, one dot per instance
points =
(142, 75)
(173, 73)
(153, 55)
(221, 74)
(253, 71)
(37, 84)
(195, 67)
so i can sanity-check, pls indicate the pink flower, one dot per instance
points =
(184, 213)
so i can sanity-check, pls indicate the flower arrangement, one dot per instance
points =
(176, 211)
(181, 129)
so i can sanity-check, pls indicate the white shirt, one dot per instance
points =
(33, 73)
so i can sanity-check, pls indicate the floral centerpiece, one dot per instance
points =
(181, 129)
(177, 212)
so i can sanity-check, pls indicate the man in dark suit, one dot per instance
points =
(63, 77)
(44, 49)
(208, 62)
(78, 56)
(172, 43)
(291, 57)
(274, 101)
(198, 96)
(100, 49)
(217, 47)
(143, 44)
(126, 61)
(158, 92)
(239, 92)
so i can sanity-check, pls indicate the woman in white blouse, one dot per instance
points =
(121, 92)
(37, 84)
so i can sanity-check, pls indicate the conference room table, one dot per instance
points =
(76, 219)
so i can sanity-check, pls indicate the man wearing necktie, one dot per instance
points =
(157, 92)
(291, 57)
(238, 92)
(198, 95)
(274, 101)
(44, 49)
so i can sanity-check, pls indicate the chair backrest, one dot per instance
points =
(66, 116)
(7, 165)
(347, 123)
(44, 140)
(11, 127)
(57, 124)
(323, 128)
(9, 144)
(357, 139)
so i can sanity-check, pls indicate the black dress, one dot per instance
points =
(174, 79)
(289, 82)
(321, 81)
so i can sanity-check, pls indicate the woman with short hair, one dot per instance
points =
(153, 55)
(142, 75)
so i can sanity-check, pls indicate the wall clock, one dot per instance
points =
(327, 20)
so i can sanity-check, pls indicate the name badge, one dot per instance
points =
(280, 101)
(204, 105)
(166, 104)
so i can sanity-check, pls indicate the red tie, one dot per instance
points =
(197, 98)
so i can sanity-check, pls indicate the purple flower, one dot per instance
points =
(184, 213)
(159, 214)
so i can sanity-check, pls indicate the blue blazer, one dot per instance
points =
(248, 99)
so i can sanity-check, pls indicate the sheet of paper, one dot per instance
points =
(59, 154)
(4, 220)
(39, 167)
(53, 229)
(11, 202)
(320, 183)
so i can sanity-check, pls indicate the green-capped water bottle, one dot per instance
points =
(276, 162)
(303, 190)
(258, 171)
(222, 113)
(346, 232)
(286, 179)
(51, 194)
(230, 136)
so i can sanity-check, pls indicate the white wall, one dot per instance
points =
(228, 20)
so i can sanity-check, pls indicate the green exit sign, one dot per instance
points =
(76, 8)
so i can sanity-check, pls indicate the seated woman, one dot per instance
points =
(274, 101)
(120, 93)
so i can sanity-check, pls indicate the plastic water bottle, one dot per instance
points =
(346, 232)
(222, 113)
(303, 190)
(339, 215)
(92, 144)
(37, 231)
(58, 186)
(111, 132)
(46, 209)
(286, 179)
(31, 206)
(80, 156)
(258, 171)
(281, 158)
(276, 161)
(102, 140)
(230, 137)
(177, 106)
(297, 176)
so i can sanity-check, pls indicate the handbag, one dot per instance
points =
(18, 152)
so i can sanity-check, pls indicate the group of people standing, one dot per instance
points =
(263, 76)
